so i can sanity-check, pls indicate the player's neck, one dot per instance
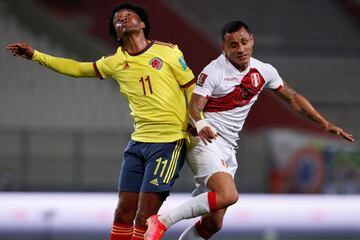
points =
(241, 68)
(135, 43)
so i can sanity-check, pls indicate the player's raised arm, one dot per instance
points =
(64, 66)
(301, 105)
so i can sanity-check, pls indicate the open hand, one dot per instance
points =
(207, 134)
(21, 49)
(339, 131)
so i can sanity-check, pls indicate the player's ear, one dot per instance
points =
(252, 39)
(222, 46)
(142, 25)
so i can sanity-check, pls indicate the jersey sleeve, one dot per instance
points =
(275, 82)
(206, 83)
(105, 66)
(64, 66)
(181, 71)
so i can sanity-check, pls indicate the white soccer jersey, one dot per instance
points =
(231, 93)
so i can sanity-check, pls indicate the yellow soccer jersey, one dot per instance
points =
(152, 80)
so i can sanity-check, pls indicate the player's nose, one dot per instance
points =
(123, 19)
(241, 48)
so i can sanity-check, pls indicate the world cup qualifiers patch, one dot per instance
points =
(183, 63)
(201, 79)
(156, 63)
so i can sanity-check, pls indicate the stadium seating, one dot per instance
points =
(73, 127)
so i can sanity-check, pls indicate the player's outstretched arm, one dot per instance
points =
(64, 66)
(205, 131)
(301, 105)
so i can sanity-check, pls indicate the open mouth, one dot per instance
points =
(120, 24)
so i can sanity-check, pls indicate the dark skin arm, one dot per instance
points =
(21, 49)
(300, 104)
(197, 104)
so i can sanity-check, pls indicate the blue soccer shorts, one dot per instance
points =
(151, 167)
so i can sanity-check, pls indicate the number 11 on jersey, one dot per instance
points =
(142, 81)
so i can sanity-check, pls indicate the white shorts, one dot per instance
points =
(206, 160)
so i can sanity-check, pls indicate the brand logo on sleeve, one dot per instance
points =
(201, 79)
(156, 63)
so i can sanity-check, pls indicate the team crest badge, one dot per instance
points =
(201, 79)
(255, 79)
(156, 63)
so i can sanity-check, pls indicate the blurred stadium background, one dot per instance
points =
(61, 139)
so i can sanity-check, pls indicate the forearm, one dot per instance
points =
(301, 105)
(195, 114)
(64, 66)
(197, 104)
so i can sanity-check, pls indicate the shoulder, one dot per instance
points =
(165, 44)
(212, 72)
(166, 50)
(256, 63)
(216, 66)
(265, 68)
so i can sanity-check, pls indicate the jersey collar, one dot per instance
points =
(233, 68)
(142, 51)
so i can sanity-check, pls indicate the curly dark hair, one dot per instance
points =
(138, 10)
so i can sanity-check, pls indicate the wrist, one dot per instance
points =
(203, 123)
(325, 125)
(35, 55)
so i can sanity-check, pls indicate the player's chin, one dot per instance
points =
(243, 60)
(240, 63)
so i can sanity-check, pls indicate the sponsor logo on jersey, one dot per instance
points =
(255, 79)
(183, 63)
(156, 63)
(201, 79)
(230, 78)
(154, 182)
